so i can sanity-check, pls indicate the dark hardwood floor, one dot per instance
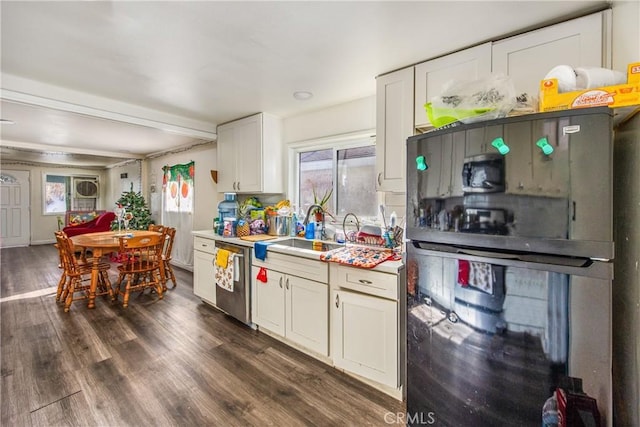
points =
(175, 361)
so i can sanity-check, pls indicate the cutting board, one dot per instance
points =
(257, 237)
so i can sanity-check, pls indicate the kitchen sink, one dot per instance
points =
(308, 244)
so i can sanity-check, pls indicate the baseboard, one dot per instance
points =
(43, 242)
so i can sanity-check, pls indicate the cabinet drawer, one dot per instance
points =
(204, 245)
(296, 266)
(384, 285)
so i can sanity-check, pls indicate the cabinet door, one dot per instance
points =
(457, 163)
(433, 174)
(394, 124)
(519, 162)
(267, 304)
(550, 172)
(307, 315)
(528, 57)
(431, 77)
(364, 336)
(226, 159)
(479, 140)
(204, 284)
(528, 170)
(248, 155)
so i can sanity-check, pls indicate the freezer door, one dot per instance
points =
(488, 339)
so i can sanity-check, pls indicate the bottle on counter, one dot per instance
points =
(228, 212)
(293, 227)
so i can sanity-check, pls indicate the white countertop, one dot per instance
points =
(385, 267)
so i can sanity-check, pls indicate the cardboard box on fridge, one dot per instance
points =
(622, 95)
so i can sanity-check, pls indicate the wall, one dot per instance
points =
(205, 196)
(43, 226)
(625, 33)
(116, 184)
(346, 118)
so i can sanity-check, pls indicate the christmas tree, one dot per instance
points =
(136, 210)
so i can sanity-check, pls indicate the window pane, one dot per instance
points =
(316, 172)
(55, 194)
(356, 187)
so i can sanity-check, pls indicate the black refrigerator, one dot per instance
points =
(509, 268)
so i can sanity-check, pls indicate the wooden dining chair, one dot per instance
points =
(169, 235)
(141, 266)
(75, 282)
(159, 228)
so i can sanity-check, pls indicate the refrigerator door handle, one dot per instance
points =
(565, 265)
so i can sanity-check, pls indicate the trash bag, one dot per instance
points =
(471, 101)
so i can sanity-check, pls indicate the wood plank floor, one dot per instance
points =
(170, 362)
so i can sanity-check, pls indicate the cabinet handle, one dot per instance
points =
(286, 284)
(379, 178)
(365, 282)
(337, 301)
(280, 282)
(238, 186)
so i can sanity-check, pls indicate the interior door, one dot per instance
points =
(14, 208)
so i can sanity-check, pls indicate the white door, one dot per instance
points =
(433, 76)
(267, 301)
(14, 208)
(307, 315)
(204, 283)
(528, 57)
(364, 336)
(394, 124)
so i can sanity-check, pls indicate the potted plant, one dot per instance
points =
(322, 201)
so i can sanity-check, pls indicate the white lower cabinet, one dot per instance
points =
(364, 336)
(204, 283)
(293, 307)
(365, 323)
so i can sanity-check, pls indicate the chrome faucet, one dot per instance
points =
(308, 215)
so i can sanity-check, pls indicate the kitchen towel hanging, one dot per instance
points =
(226, 276)
(260, 250)
(222, 258)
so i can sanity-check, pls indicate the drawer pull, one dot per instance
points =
(337, 301)
(365, 282)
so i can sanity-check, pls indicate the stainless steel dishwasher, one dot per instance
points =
(237, 302)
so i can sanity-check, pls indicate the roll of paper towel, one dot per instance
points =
(566, 77)
(592, 77)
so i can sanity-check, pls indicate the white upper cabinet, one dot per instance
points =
(250, 155)
(528, 57)
(394, 124)
(432, 76)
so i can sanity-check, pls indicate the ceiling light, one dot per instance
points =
(7, 122)
(302, 95)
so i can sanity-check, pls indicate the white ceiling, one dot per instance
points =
(124, 79)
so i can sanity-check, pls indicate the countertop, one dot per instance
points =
(385, 267)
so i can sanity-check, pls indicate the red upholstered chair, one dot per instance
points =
(100, 223)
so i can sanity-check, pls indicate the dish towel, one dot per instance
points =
(475, 274)
(222, 258)
(260, 250)
(225, 276)
(357, 256)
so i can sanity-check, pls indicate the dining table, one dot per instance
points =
(101, 244)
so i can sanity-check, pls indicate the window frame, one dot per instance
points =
(69, 190)
(335, 143)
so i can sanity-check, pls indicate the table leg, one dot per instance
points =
(95, 272)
